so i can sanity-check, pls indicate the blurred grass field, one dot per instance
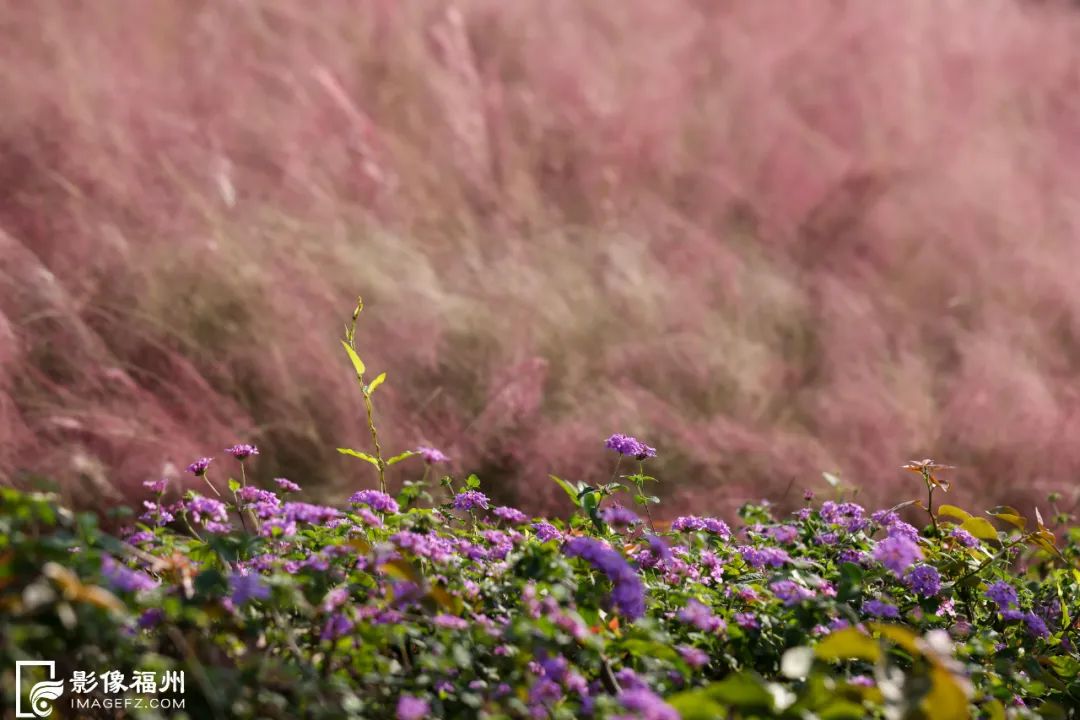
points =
(771, 239)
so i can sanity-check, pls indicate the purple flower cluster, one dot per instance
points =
(700, 616)
(629, 446)
(1003, 594)
(471, 500)
(287, 485)
(510, 515)
(647, 704)
(897, 553)
(244, 587)
(200, 466)
(123, 578)
(313, 514)
(692, 523)
(925, 580)
(879, 609)
(431, 456)
(760, 557)
(242, 451)
(628, 592)
(850, 516)
(619, 516)
(790, 593)
(376, 500)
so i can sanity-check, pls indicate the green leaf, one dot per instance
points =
(357, 454)
(743, 691)
(403, 456)
(697, 705)
(376, 383)
(472, 482)
(357, 363)
(567, 488)
(234, 484)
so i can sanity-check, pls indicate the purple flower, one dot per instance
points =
(336, 625)
(925, 580)
(242, 452)
(694, 657)
(808, 495)
(647, 704)
(747, 621)
(851, 516)
(412, 708)
(1036, 625)
(619, 516)
(687, 523)
(700, 616)
(626, 445)
(123, 578)
(431, 455)
(897, 553)
(252, 494)
(760, 557)
(546, 531)
(198, 468)
(204, 509)
(306, 512)
(880, 609)
(1003, 594)
(784, 534)
(450, 622)
(287, 485)
(376, 500)
(150, 618)
(470, 500)
(790, 592)
(156, 486)
(627, 592)
(965, 538)
(510, 515)
(247, 587)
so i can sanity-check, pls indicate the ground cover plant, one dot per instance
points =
(424, 598)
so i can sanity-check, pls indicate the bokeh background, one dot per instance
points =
(771, 238)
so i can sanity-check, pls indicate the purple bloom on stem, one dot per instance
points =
(306, 512)
(546, 531)
(123, 578)
(925, 580)
(376, 500)
(198, 468)
(412, 708)
(204, 509)
(619, 516)
(647, 704)
(760, 557)
(336, 626)
(747, 621)
(431, 455)
(897, 553)
(247, 587)
(287, 485)
(784, 534)
(700, 616)
(242, 451)
(156, 486)
(470, 500)
(628, 592)
(1036, 625)
(880, 609)
(1003, 594)
(965, 538)
(151, 618)
(790, 593)
(510, 515)
(631, 446)
(694, 657)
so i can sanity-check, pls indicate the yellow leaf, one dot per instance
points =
(402, 570)
(848, 643)
(899, 635)
(357, 363)
(947, 699)
(376, 383)
(980, 528)
(1010, 515)
(953, 512)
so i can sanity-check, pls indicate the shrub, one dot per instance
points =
(435, 601)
